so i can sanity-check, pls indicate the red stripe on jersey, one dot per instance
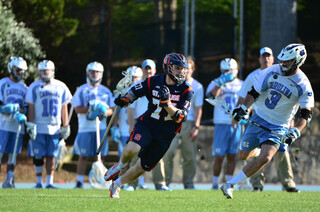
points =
(185, 91)
(176, 132)
(149, 85)
(132, 133)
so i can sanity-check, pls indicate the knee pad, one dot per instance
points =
(38, 161)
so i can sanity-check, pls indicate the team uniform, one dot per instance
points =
(11, 92)
(47, 100)
(85, 143)
(279, 99)
(155, 129)
(226, 139)
(188, 147)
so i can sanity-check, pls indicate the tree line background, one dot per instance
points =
(122, 33)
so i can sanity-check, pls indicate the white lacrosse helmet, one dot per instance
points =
(227, 64)
(135, 71)
(46, 65)
(17, 63)
(96, 67)
(297, 53)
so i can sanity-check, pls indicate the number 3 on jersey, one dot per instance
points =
(273, 100)
(49, 107)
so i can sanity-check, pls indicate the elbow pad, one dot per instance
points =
(306, 114)
(179, 116)
(253, 93)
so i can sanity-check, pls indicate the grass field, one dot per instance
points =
(151, 200)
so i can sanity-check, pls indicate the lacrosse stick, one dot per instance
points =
(121, 88)
(62, 149)
(225, 107)
(96, 174)
(14, 155)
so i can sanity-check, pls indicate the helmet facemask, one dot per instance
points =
(97, 67)
(175, 66)
(46, 65)
(177, 73)
(15, 65)
(92, 80)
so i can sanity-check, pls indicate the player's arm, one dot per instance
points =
(81, 109)
(242, 111)
(195, 130)
(64, 115)
(304, 118)
(31, 112)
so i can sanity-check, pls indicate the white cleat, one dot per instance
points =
(227, 190)
(112, 172)
(114, 192)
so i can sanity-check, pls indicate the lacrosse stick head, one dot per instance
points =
(96, 176)
(124, 83)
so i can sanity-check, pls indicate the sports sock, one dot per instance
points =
(238, 178)
(215, 180)
(80, 178)
(229, 177)
(49, 179)
(117, 183)
(39, 179)
(122, 165)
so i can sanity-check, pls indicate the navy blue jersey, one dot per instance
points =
(180, 96)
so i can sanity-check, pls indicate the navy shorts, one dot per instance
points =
(153, 140)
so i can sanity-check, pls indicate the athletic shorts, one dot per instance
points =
(253, 136)
(86, 144)
(8, 140)
(44, 145)
(225, 140)
(153, 143)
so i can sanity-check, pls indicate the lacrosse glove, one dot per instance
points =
(122, 101)
(20, 117)
(224, 78)
(164, 94)
(65, 132)
(290, 136)
(240, 113)
(10, 108)
(115, 134)
(32, 130)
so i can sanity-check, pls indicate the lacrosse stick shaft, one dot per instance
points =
(98, 136)
(225, 109)
(108, 129)
(14, 155)
(70, 113)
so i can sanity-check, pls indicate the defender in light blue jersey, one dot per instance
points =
(47, 100)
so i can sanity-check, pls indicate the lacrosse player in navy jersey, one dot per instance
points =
(91, 100)
(278, 93)
(169, 98)
(12, 94)
(47, 100)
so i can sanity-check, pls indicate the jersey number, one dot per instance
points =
(14, 100)
(49, 107)
(273, 100)
(157, 111)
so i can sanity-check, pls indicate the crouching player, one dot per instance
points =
(169, 98)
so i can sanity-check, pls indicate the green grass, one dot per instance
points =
(151, 200)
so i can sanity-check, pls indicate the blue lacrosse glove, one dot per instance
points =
(102, 108)
(290, 136)
(115, 134)
(240, 113)
(122, 101)
(92, 115)
(10, 108)
(164, 94)
(20, 117)
(224, 78)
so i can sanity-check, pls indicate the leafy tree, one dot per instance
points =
(17, 40)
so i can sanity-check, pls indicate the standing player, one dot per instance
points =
(188, 135)
(282, 157)
(226, 139)
(281, 89)
(91, 100)
(135, 110)
(12, 95)
(47, 100)
(169, 98)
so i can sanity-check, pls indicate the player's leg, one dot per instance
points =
(158, 176)
(8, 146)
(188, 152)
(52, 145)
(168, 159)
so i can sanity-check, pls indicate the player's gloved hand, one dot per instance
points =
(164, 94)
(20, 117)
(290, 136)
(32, 130)
(115, 134)
(240, 113)
(10, 108)
(92, 115)
(65, 132)
(122, 101)
(224, 78)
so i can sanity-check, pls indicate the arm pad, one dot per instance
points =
(254, 93)
(179, 116)
(306, 114)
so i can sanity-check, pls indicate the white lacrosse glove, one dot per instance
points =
(32, 130)
(65, 132)
(290, 136)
